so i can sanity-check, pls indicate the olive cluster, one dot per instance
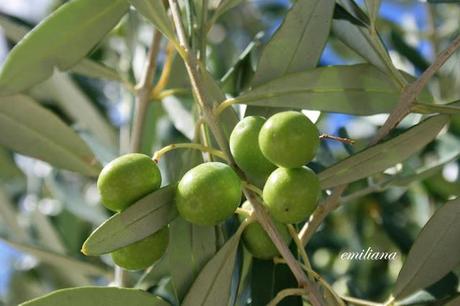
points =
(272, 153)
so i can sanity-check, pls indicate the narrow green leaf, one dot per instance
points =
(137, 222)
(87, 67)
(212, 286)
(58, 260)
(373, 7)
(61, 89)
(155, 12)
(356, 89)
(384, 155)
(298, 43)
(435, 252)
(92, 69)
(32, 130)
(97, 296)
(190, 248)
(424, 108)
(60, 41)
(353, 33)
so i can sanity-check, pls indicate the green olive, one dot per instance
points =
(257, 240)
(289, 139)
(126, 179)
(208, 193)
(291, 194)
(244, 145)
(144, 253)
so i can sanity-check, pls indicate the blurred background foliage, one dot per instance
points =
(47, 213)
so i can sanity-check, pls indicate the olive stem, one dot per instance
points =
(196, 146)
(252, 188)
(165, 73)
(336, 138)
(300, 247)
(359, 302)
(223, 106)
(284, 294)
(143, 90)
(204, 101)
(170, 92)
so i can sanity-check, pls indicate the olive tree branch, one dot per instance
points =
(143, 91)
(284, 294)
(409, 95)
(407, 99)
(206, 105)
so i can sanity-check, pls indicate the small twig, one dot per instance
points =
(359, 302)
(337, 138)
(253, 188)
(196, 146)
(157, 91)
(284, 294)
(300, 247)
(223, 106)
(144, 89)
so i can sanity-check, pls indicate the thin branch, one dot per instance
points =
(284, 294)
(144, 88)
(337, 138)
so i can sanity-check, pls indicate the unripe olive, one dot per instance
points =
(126, 179)
(208, 193)
(289, 139)
(244, 145)
(257, 240)
(291, 194)
(144, 253)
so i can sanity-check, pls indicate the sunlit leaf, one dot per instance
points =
(87, 67)
(140, 220)
(356, 89)
(32, 130)
(298, 43)
(384, 155)
(97, 296)
(60, 41)
(434, 253)
(373, 7)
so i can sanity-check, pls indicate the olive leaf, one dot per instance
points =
(76, 104)
(223, 6)
(212, 285)
(355, 34)
(190, 248)
(86, 66)
(298, 43)
(97, 296)
(60, 41)
(58, 260)
(145, 217)
(434, 253)
(382, 156)
(32, 130)
(155, 12)
(356, 89)
(373, 7)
